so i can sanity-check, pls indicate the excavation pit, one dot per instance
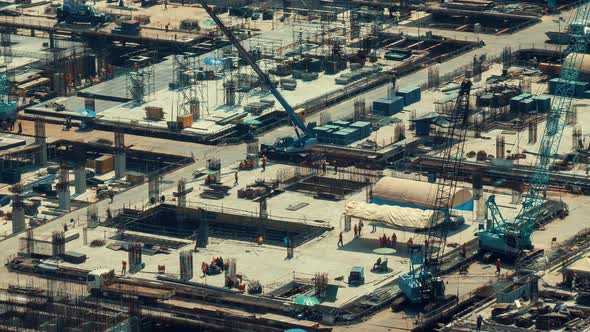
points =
(172, 221)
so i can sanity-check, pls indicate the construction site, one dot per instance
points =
(294, 165)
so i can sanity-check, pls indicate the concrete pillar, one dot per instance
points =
(120, 156)
(80, 178)
(203, 233)
(63, 189)
(43, 153)
(120, 165)
(18, 219)
(63, 198)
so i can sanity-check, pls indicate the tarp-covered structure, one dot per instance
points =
(582, 266)
(415, 194)
(404, 217)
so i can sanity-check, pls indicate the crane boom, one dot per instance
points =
(261, 75)
(426, 286)
(509, 237)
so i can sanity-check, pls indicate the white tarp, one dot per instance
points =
(582, 265)
(392, 215)
(416, 193)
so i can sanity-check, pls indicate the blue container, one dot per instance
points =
(410, 94)
(341, 123)
(542, 103)
(363, 126)
(388, 106)
(515, 104)
(527, 105)
(342, 138)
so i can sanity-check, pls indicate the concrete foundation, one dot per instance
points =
(80, 178)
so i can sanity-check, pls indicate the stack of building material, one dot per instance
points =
(104, 164)
(397, 54)
(288, 84)
(154, 112)
(10, 176)
(357, 75)
(185, 120)
(410, 94)
(135, 178)
(388, 106)
(143, 19)
(542, 103)
(73, 257)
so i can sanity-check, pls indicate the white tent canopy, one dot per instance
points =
(416, 193)
(392, 215)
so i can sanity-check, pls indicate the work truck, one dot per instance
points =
(74, 11)
(104, 283)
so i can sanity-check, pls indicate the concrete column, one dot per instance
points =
(43, 153)
(80, 178)
(63, 198)
(120, 165)
(63, 189)
(203, 234)
(18, 219)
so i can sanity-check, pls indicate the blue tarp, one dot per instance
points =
(215, 62)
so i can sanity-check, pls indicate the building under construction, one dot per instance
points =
(312, 165)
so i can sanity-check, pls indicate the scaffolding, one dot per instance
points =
(140, 78)
(184, 80)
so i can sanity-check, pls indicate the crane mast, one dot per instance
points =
(510, 237)
(424, 285)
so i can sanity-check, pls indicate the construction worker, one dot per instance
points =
(394, 241)
(123, 267)
(340, 240)
(464, 250)
(263, 163)
(335, 167)
(324, 166)
(374, 230)
(356, 231)
(479, 322)
(236, 178)
(498, 266)
(360, 227)
(204, 269)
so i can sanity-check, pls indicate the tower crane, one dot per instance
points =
(509, 238)
(284, 145)
(422, 285)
